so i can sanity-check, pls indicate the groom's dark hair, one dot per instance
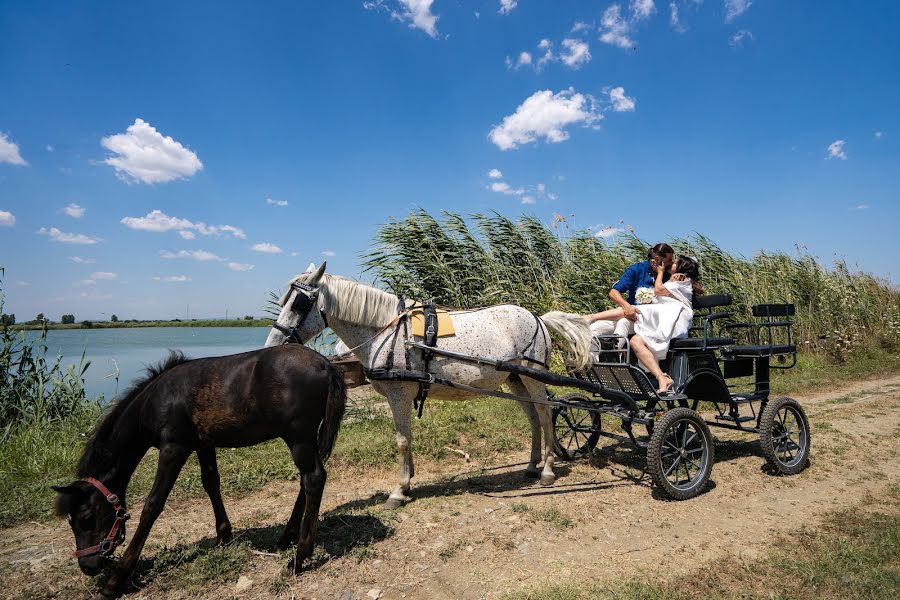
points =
(660, 249)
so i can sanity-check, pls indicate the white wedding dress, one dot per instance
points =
(668, 318)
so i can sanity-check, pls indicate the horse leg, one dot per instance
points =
(301, 453)
(519, 389)
(538, 391)
(401, 409)
(171, 460)
(209, 474)
(313, 485)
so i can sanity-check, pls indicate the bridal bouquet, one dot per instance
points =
(644, 295)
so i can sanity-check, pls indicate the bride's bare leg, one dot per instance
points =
(613, 314)
(645, 355)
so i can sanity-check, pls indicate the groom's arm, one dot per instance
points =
(625, 283)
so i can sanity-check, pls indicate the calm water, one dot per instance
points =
(133, 349)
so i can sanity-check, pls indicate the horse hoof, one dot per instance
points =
(532, 473)
(393, 502)
(548, 479)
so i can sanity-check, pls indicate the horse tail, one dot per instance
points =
(576, 331)
(334, 412)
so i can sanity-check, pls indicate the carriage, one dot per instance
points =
(724, 370)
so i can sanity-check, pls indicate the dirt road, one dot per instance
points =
(479, 531)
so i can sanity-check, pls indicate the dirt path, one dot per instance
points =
(479, 531)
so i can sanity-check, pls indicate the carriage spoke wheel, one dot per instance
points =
(784, 436)
(575, 430)
(680, 453)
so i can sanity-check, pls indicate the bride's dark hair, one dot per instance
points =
(690, 268)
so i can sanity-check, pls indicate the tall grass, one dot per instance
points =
(489, 259)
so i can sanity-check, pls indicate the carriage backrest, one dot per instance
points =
(712, 300)
(773, 310)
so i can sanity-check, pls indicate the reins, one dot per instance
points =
(116, 534)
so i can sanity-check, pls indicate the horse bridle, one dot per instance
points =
(307, 298)
(116, 534)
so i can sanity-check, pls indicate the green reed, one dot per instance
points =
(490, 259)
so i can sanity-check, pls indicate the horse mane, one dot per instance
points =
(94, 451)
(352, 301)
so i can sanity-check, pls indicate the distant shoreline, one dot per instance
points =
(134, 324)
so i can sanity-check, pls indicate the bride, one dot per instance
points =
(668, 318)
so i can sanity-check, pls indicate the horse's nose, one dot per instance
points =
(90, 566)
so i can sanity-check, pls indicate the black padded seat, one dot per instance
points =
(696, 343)
(759, 350)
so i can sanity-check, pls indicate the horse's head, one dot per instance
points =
(97, 518)
(301, 316)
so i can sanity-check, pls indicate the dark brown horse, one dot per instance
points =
(184, 406)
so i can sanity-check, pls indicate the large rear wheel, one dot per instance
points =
(680, 454)
(784, 435)
(576, 430)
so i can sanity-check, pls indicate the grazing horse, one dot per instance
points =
(366, 319)
(184, 406)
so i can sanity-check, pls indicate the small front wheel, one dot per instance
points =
(576, 430)
(784, 436)
(680, 453)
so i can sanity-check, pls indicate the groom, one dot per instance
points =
(636, 276)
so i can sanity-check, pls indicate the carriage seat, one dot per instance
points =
(758, 350)
(696, 343)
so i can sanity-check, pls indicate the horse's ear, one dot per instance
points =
(65, 489)
(67, 494)
(310, 268)
(318, 274)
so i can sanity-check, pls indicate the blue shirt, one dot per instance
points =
(637, 276)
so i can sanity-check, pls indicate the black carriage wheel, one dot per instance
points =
(680, 454)
(575, 430)
(784, 435)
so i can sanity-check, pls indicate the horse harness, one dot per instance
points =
(116, 534)
(307, 298)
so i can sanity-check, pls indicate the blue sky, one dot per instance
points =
(155, 156)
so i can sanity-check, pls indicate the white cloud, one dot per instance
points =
(545, 115)
(145, 155)
(528, 200)
(235, 266)
(552, 196)
(544, 44)
(607, 232)
(7, 219)
(295, 254)
(158, 221)
(266, 248)
(641, 9)
(620, 102)
(98, 275)
(501, 187)
(836, 150)
(173, 278)
(495, 174)
(328, 253)
(674, 19)
(861, 207)
(9, 152)
(575, 53)
(201, 255)
(50, 148)
(85, 283)
(879, 135)
(415, 12)
(74, 211)
(82, 261)
(581, 26)
(541, 188)
(272, 202)
(735, 8)
(506, 6)
(738, 38)
(615, 28)
(68, 238)
(23, 283)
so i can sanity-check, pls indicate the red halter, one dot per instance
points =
(116, 534)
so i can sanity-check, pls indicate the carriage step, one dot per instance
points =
(743, 419)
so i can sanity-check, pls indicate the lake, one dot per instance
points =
(131, 350)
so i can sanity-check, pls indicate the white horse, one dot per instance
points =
(366, 319)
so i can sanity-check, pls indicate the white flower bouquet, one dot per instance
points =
(644, 295)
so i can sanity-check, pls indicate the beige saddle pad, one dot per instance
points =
(445, 323)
